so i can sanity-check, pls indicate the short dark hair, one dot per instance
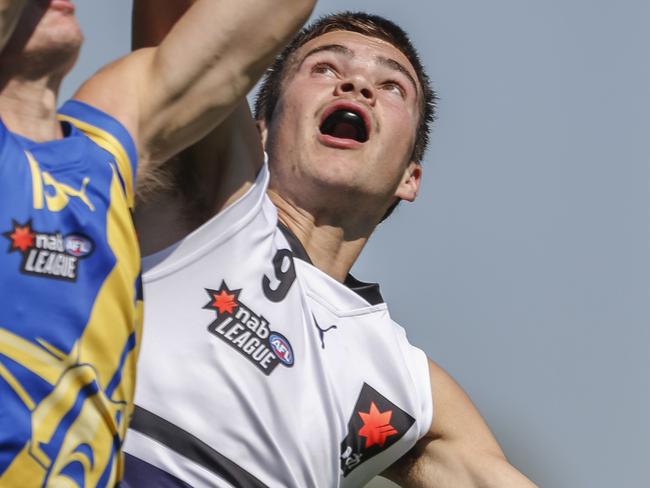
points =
(362, 23)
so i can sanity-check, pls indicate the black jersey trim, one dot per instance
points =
(192, 448)
(297, 248)
(368, 291)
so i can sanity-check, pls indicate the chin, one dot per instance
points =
(343, 168)
(64, 34)
(55, 49)
(42, 29)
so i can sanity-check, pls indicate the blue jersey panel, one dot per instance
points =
(70, 318)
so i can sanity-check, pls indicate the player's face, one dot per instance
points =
(346, 121)
(47, 32)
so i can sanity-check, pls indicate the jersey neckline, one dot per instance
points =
(368, 291)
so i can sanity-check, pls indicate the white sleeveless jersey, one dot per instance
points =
(257, 369)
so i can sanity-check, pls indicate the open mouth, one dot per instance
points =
(345, 124)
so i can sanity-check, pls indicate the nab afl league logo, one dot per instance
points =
(48, 254)
(246, 332)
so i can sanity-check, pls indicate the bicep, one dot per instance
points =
(172, 95)
(459, 450)
(440, 464)
(207, 64)
(456, 417)
(115, 89)
(236, 139)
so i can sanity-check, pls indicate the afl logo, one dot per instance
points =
(281, 348)
(77, 245)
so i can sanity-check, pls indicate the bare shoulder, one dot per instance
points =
(114, 89)
(455, 415)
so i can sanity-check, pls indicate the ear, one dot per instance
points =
(410, 183)
(263, 129)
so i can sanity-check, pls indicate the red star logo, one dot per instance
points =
(223, 300)
(376, 426)
(22, 237)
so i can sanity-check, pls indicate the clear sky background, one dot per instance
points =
(524, 267)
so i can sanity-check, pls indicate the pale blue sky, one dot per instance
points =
(523, 268)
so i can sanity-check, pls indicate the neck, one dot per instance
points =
(332, 247)
(28, 106)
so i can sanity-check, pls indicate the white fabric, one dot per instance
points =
(284, 428)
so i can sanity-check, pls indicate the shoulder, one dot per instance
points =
(115, 89)
(99, 124)
(108, 133)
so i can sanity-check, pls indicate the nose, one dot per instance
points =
(357, 86)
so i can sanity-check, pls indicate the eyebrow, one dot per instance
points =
(336, 48)
(394, 65)
(349, 53)
(296, 63)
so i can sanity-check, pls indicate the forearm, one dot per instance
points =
(10, 11)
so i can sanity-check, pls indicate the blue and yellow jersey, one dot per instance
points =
(70, 302)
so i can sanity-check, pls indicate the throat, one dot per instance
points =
(30, 111)
(327, 246)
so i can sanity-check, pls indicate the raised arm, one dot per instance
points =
(459, 450)
(224, 163)
(150, 23)
(9, 13)
(171, 95)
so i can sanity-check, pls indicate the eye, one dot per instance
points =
(394, 87)
(323, 69)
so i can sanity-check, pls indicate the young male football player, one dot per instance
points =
(264, 362)
(70, 266)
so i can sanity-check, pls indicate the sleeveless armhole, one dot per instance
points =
(3, 133)
(109, 134)
(3, 140)
(418, 366)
